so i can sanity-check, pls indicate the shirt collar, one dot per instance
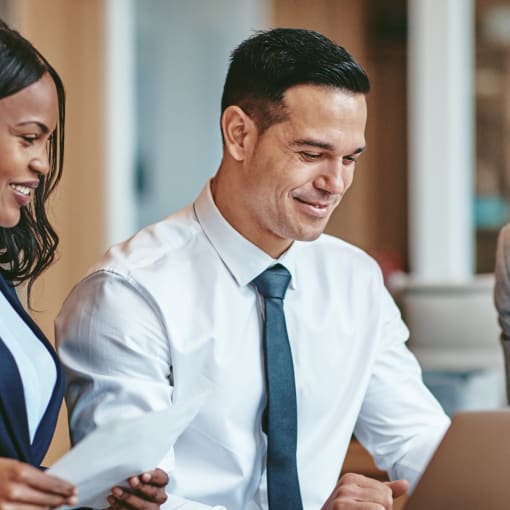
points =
(242, 258)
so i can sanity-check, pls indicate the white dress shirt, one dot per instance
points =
(35, 364)
(173, 306)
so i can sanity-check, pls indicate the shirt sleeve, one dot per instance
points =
(400, 422)
(117, 357)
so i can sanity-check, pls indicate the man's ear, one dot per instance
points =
(239, 132)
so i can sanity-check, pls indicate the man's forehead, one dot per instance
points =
(318, 104)
(325, 116)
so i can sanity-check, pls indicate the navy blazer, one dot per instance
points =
(14, 434)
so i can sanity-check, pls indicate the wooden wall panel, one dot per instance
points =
(373, 214)
(71, 36)
(344, 22)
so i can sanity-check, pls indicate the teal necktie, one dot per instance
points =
(281, 410)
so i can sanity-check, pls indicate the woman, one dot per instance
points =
(31, 380)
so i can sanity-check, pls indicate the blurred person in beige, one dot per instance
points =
(502, 295)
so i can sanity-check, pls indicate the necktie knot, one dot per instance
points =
(273, 282)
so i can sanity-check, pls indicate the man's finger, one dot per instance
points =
(129, 500)
(155, 477)
(398, 487)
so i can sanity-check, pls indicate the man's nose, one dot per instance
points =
(334, 177)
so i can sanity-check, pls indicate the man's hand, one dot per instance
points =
(145, 492)
(357, 492)
(24, 487)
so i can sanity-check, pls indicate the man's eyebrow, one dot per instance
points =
(313, 143)
(43, 127)
(359, 150)
(321, 145)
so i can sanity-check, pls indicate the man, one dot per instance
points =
(186, 300)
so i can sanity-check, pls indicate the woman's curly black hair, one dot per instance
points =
(28, 248)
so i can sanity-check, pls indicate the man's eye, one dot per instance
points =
(349, 160)
(310, 156)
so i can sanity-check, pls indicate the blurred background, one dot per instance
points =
(144, 81)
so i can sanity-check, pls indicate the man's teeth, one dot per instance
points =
(315, 206)
(22, 189)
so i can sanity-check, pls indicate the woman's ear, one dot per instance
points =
(239, 132)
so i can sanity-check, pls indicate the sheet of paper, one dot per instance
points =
(112, 453)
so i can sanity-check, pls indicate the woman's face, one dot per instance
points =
(27, 120)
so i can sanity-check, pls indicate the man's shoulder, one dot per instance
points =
(173, 237)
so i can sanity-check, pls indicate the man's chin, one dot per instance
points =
(309, 236)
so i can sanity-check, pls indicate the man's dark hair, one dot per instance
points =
(27, 249)
(268, 63)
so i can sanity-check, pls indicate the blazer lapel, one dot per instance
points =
(12, 397)
(44, 433)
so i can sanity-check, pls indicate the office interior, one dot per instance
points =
(144, 79)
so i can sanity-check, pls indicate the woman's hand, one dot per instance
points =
(145, 492)
(24, 487)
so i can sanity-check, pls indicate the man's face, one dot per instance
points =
(300, 168)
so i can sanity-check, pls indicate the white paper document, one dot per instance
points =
(114, 452)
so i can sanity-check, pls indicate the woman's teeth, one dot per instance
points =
(25, 190)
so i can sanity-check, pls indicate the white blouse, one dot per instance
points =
(35, 364)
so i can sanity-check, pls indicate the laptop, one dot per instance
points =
(470, 469)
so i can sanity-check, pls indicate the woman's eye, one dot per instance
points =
(29, 138)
